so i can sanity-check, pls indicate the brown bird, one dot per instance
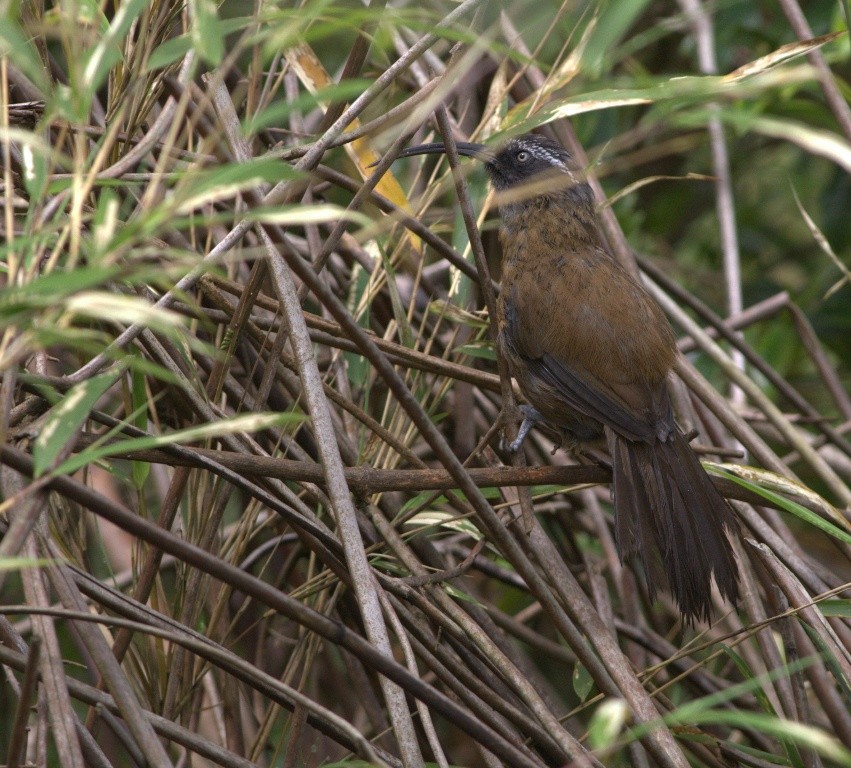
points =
(591, 351)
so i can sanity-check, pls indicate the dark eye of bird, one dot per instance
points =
(522, 156)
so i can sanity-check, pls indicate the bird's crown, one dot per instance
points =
(525, 157)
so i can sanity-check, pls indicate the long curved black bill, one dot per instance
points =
(478, 151)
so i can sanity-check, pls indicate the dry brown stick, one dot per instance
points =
(282, 193)
(29, 688)
(518, 459)
(333, 335)
(165, 728)
(723, 328)
(762, 310)
(414, 225)
(288, 606)
(802, 602)
(826, 369)
(212, 292)
(96, 646)
(371, 480)
(832, 94)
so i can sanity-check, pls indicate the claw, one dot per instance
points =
(531, 417)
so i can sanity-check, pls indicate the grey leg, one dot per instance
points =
(531, 417)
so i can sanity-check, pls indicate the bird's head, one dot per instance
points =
(524, 167)
(525, 159)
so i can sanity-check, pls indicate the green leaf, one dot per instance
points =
(607, 722)
(199, 188)
(672, 92)
(357, 366)
(16, 45)
(206, 31)
(50, 290)
(480, 349)
(100, 59)
(300, 215)
(168, 52)
(35, 170)
(705, 710)
(399, 315)
(457, 314)
(249, 422)
(449, 520)
(112, 307)
(279, 112)
(747, 673)
(583, 683)
(829, 658)
(806, 736)
(786, 504)
(176, 48)
(458, 594)
(89, 13)
(17, 563)
(610, 28)
(840, 608)
(139, 398)
(64, 418)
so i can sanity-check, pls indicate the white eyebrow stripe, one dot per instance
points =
(545, 154)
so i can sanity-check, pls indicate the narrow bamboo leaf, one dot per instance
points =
(108, 49)
(58, 284)
(176, 48)
(802, 735)
(840, 608)
(139, 404)
(767, 757)
(825, 246)
(747, 673)
(206, 32)
(481, 349)
(448, 520)
(278, 112)
(17, 46)
(313, 75)
(829, 658)
(781, 501)
(399, 315)
(146, 367)
(782, 54)
(460, 595)
(677, 91)
(583, 683)
(35, 171)
(202, 187)
(357, 367)
(17, 563)
(825, 143)
(610, 28)
(457, 314)
(65, 418)
(89, 13)
(168, 52)
(607, 722)
(123, 309)
(299, 215)
(251, 422)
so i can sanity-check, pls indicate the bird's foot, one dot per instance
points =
(570, 444)
(531, 417)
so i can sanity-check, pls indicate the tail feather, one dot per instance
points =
(670, 515)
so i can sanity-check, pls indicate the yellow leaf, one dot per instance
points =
(314, 77)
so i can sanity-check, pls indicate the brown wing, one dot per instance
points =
(567, 330)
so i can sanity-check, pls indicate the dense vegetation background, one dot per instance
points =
(242, 367)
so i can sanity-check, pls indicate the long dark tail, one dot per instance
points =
(669, 514)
